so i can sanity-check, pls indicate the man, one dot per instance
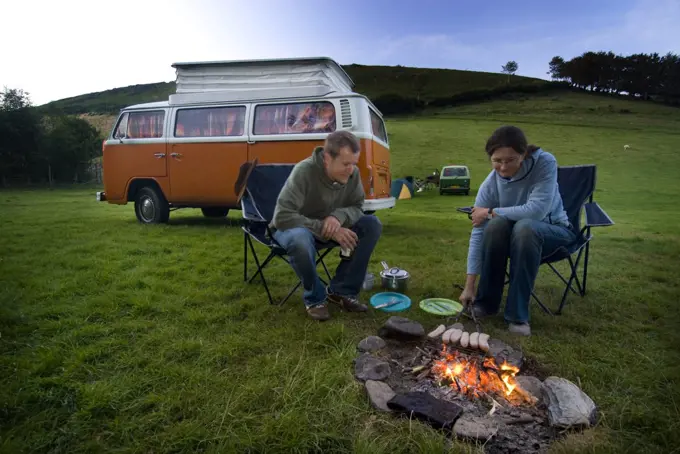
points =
(321, 201)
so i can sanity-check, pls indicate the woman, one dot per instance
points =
(518, 214)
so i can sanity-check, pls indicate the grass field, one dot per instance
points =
(125, 338)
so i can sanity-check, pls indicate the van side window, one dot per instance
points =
(121, 129)
(210, 122)
(146, 125)
(295, 118)
(378, 127)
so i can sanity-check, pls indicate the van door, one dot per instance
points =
(208, 146)
(137, 149)
(380, 154)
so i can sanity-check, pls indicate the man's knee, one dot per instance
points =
(370, 225)
(298, 241)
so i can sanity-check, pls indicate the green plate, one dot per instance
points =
(441, 306)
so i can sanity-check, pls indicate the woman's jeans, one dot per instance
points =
(300, 244)
(524, 242)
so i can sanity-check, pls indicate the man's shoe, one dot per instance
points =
(348, 303)
(319, 312)
(522, 329)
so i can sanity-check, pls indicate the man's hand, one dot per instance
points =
(330, 226)
(346, 238)
(479, 215)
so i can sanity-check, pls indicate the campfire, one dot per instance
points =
(477, 376)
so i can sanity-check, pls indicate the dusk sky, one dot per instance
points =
(56, 50)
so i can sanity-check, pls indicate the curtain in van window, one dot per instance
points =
(145, 125)
(210, 122)
(295, 118)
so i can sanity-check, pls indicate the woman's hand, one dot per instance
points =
(467, 297)
(479, 215)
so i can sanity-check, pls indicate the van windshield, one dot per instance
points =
(454, 172)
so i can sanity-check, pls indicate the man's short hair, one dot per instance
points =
(340, 139)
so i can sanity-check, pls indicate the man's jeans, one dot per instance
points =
(299, 243)
(524, 242)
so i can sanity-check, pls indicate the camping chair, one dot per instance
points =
(577, 186)
(262, 188)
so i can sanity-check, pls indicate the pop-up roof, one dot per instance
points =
(219, 81)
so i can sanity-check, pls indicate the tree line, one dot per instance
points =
(645, 76)
(43, 148)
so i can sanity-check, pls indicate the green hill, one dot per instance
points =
(394, 89)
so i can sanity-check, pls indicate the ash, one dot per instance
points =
(514, 434)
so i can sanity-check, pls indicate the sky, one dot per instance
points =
(55, 50)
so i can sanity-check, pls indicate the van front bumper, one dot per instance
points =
(101, 196)
(379, 204)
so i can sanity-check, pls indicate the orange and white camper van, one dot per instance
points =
(187, 151)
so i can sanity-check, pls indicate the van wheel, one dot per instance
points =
(215, 212)
(151, 206)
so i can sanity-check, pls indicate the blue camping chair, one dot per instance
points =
(260, 193)
(577, 187)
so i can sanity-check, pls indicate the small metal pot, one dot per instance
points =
(394, 278)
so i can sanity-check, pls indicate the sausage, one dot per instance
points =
(484, 342)
(474, 340)
(465, 339)
(437, 332)
(445, 336)
(455, 336)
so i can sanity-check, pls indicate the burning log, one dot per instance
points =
(474, 377)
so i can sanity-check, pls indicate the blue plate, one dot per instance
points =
(387, 297)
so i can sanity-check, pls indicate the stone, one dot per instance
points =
(371, 344)
(440, 414)
(402, 327)
(568, 405)
(368, 367)
(475, 427)
(379, 393)
(530, 384)
(502, 352)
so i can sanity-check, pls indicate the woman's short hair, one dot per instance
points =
(509, 137)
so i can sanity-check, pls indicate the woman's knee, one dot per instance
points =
(524, 231)
(498, 228)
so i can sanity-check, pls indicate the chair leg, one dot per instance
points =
(245, 256)
(585, 269)
(321, 257)
(318, 260)
(259, 269)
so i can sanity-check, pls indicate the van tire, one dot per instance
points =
(151, 206)
(215, 212)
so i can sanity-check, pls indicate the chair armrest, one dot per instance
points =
(249, 211)
(596, 216)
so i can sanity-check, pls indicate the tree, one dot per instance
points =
(510, 68)
(20, 135)
(556, 68)
(71, 144)
(14, 99)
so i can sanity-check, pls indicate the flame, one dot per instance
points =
(475, 376)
